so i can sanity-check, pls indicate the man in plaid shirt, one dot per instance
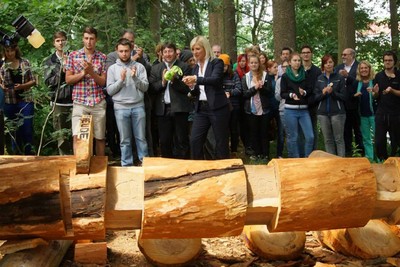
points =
(86, 71)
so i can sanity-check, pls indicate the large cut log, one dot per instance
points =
(274, 246)
(169, 252)
(84, 144)
(50, 255)
(193, 199)
(323, 193)
(376, 239)
(30, 195)
(124, 202)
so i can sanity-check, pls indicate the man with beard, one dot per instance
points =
(126, 84)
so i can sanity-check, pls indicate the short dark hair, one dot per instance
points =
(287, 48)
(306, 46)
(325, 59)
(15, 47)
(127, 31)
(391, 53)
(123, 41)
(90, 30)
(168, 45)
(60, 34)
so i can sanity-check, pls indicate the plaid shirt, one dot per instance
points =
(5, 77)
(86, 91)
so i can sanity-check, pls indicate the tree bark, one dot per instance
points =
(274, 246)
(346, 25)
(229, 45)
(284, 26)
(180, 196)
(130, 6)
(394, 24)
(155, 16)
(215, 22)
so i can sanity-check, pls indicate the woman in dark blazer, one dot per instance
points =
(211, 104)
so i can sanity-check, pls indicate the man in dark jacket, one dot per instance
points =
(61, 93)
(348, 69)
(387, 118)
(171, 105)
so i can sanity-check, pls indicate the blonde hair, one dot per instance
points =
(204, 43)
(371, 70)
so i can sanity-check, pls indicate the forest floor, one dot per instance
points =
(123, 251)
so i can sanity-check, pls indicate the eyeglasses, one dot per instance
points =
(345, 54)
(388, 60)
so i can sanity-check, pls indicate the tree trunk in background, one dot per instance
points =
(215, 22)
(155, 17)
(229, 45)
(346, 25)
(394, 25)
(131, 13)
(284, 25)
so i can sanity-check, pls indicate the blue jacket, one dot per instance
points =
(330, 104)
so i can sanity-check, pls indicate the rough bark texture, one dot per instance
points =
(229, 45)
(215, 22)
(324, 193)
(346, 25)
(182, 195)
(274, 246)
(394, 24)
(130, 6)
(376, 239)
(284, 25)
(155, 16)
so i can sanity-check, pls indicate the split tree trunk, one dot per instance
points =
(193, 198)
(274, 246)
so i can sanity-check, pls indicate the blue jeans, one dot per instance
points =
(131, 123)
(293, 119)
(22, 132)
(332, 128)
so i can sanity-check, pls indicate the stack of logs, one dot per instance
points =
(175, 203)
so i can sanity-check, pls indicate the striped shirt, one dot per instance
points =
(86, 91)
(24, 69)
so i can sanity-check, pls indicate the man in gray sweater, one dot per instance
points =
(126, 84)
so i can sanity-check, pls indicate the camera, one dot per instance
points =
(8, 40)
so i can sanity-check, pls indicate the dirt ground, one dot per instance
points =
(223, 252)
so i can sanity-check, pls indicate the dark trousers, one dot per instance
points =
(21, 117)
(219, 121)
(352, 127)
(62, 122)
(387, 124)
(258, 128)
(1, 132)
(174, 134)
(234, 128)
(112, 134)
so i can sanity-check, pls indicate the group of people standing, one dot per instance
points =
(206, 108)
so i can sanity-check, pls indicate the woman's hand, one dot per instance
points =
(190, 80)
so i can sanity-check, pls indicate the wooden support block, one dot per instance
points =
(91, 253)
(84, 144)
(16, 245)
(193, 198)
(124, 202)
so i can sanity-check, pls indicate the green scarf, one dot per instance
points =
(300, 77)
